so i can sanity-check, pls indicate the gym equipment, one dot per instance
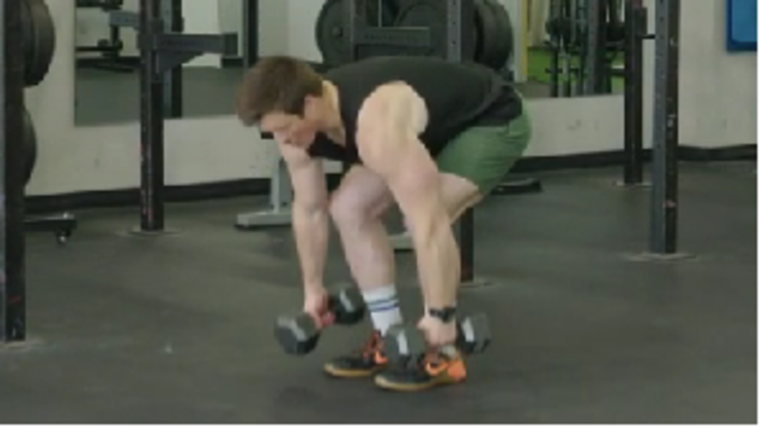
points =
(30, 146)
(633, 71)
(110, 48)
(298, 335)
(330, 30)
(664, 219)
(492, 40)
(279, 213)
(12, 246)
(495, 33)
(39, 40)
(407, 343)
(166, 51)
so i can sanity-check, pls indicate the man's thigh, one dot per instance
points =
(477, 160)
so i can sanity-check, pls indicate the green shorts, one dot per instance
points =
(484, 155)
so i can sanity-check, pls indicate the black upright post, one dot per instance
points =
(635, 31)
(250, 32)
(595, 46)
(173, 99)
(459, 35)
(12, 268)
(663, 238)
(151, 121)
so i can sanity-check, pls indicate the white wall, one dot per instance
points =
(274, 26)
(717, 108)
(718, 88)
(231, 20)
(99, 158)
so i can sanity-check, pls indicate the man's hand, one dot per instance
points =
(437, 333)
(315, 305)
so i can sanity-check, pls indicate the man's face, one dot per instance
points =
(298, 131)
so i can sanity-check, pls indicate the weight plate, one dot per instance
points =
(506, 34)
(39, 40)
(30, 146)
(429, 14)
(330, 30)
(489, 32)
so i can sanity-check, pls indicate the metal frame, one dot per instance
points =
(173, 100)
(250, 32)
(596, 19)
(12, 241)
(161, 51)
(664, 218)
(280, 212)
(635, 33)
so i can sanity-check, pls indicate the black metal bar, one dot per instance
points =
(250, 32)
(392, 37)
(595, 46)
(225, 44)
(12, 242)
(151, 119)
(121, 18)
(172, 15)
(664, 220)
(456, 37)
(636, 27)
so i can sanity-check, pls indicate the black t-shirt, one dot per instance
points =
(457, 95)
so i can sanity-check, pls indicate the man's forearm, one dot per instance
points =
(310, 228)
(437, 263)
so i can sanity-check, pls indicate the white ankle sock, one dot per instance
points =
(382, 304)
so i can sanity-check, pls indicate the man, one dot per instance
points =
(431, 135)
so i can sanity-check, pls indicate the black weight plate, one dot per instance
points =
(30, 146)
(506, 31)
(39, 40)
(489, 33)
(330, 30)
(429, 14)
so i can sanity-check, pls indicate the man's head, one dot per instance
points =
(285, 96)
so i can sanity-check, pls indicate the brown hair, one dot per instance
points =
(276, 83)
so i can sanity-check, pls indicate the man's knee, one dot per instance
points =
(353, 207)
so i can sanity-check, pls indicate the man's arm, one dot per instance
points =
(389, 125)
(310, 213)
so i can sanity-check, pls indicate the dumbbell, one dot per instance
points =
(408, 343)
(299, 335)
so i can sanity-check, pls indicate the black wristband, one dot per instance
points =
(445, 314)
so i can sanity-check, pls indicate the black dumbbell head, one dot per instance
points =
(297, 334)
(348, 306)
(401, 342)
(474, 334)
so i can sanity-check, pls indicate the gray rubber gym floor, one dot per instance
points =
(179, 328)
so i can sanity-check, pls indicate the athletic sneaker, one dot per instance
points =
(364, 362)
(435, 369)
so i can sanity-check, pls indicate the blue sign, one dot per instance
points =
(741, 25)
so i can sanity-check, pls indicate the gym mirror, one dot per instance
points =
(544, 46)
(107, 61)
(558, 51)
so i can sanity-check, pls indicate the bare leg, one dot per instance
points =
(357, 208)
